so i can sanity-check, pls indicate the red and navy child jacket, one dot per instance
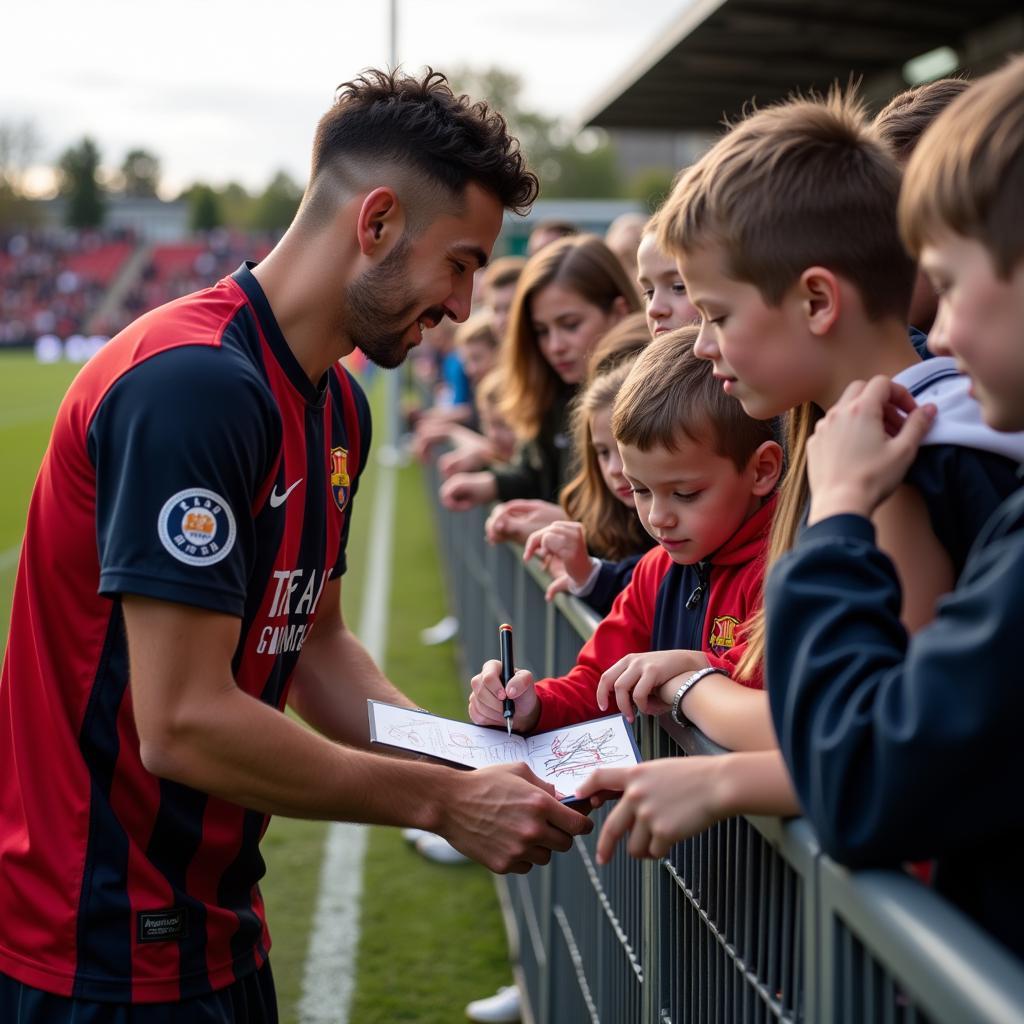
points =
(669, 607)
(192, 461)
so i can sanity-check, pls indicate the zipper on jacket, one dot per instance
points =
(702, 585)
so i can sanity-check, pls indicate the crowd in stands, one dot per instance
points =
(176, 269)
(685, 397)
(51, 282)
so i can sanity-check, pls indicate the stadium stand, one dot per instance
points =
(51, 282)
(178, 268)
(57, 283)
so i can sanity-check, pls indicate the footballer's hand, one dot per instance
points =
(636, 680)
(508, 819)
(487, 696)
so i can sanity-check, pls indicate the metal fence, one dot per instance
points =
(748, 921)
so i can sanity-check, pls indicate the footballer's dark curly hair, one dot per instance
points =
(444, 141)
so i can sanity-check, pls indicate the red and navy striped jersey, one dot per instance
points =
(191, 461)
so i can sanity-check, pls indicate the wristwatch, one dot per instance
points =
(688, 684)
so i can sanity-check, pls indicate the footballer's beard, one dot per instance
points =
(376, 318)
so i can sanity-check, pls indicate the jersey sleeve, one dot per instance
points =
(362, 411)
(627, 629)
(181, 445)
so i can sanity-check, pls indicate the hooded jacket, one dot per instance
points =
(667, 607)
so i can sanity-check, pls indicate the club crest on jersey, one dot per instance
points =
(196, 526)
(723, 632)
(340, 483)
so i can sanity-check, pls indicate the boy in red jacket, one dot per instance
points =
(703, 474)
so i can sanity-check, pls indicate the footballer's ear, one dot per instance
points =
(381, 221)
(820, 299)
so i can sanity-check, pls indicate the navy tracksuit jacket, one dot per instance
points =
(907, 749)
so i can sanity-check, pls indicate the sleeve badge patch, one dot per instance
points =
(340, 483)
(197, 527)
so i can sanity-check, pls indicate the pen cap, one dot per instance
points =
(508, 664)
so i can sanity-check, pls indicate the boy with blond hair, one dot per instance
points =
(703, 475)
(901, 747)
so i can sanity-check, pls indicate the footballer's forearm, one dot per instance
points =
(333, 680)
(197, 727)
(239, 749)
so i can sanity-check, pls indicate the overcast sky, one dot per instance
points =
(230, 91)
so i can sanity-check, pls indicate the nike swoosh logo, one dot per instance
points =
(279, 499)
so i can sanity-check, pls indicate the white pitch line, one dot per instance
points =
(329, 978)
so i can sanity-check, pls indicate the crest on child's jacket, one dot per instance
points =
(723, 632)
(340, 483)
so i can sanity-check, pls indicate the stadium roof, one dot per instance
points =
(718, 54)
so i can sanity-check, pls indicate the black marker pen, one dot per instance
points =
(508, 670)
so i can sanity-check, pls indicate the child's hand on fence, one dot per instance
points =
(559, 585)
(467, 490)
(662, 803)
(427, 434)
(566, 542)
(487, 695)
(466, 458)
(515, 520)
(637, 679)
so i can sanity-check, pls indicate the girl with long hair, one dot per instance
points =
(602, 539)
(568, 296)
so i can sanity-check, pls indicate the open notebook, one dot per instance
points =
(564, 757)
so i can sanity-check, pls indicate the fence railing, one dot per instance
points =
(748, 921)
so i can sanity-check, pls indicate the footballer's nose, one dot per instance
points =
(460, 302)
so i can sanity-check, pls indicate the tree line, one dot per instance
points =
(86, 189)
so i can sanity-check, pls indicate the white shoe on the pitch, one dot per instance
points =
(501, 1008)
